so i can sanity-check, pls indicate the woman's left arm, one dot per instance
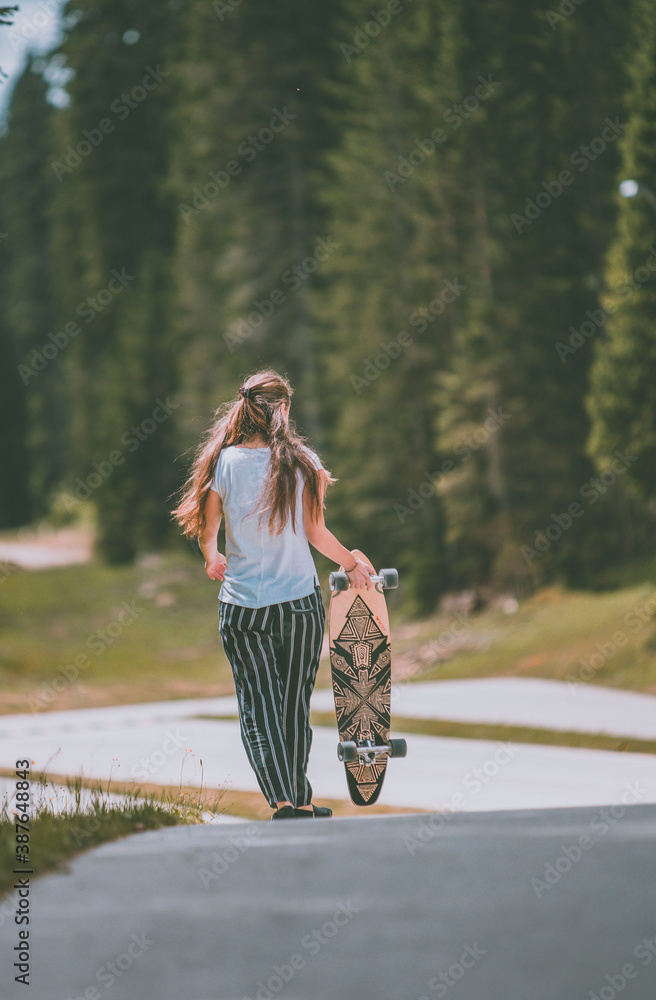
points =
(215, 563)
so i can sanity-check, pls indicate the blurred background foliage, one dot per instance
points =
(373, 201)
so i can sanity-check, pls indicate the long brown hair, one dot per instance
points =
(262, 410)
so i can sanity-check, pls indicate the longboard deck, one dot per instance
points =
(361, 663)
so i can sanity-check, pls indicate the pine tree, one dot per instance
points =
(507, 426)
(252, 231)
(392, 294)
(115, 231)
(622, 400)
(535, 247)
(32, 396)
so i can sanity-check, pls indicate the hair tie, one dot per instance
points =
(246, 393)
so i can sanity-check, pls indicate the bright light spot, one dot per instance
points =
(58, 97)
(56, 73)
(131, 37)
(629, 189)
(70, 20)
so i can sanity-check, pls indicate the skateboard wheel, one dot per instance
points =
(347, 751)
(390, 578)
(338, 581)
(398, 748)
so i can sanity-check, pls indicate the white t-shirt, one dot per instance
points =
(262, 568)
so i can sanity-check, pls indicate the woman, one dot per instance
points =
(255, 471)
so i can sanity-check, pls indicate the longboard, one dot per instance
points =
(361, 666)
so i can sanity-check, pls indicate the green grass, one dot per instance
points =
(512, 734)
(55, 836)
(554, 634)
(168, 646)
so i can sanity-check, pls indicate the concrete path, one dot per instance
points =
(31, 550)
(530, 701)
(517, 701)
(523, 701)
(551, 905)
(161, 743)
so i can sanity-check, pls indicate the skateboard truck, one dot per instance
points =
(366, 752)
(387, 578)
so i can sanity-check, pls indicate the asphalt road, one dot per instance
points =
(554, 904)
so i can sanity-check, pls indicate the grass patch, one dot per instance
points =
(56, 836)
(607, 639)
(84, 635)
(512, 734)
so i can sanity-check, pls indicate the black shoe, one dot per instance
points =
(320, 811)
(285, 812)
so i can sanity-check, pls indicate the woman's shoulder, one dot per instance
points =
(223, 459)
(312, 455)
(230, 452)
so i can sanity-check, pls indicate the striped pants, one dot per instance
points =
(274, 653)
